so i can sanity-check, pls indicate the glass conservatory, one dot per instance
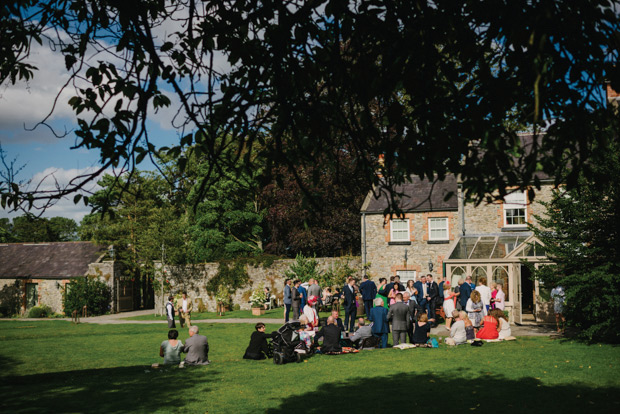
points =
(502, 258)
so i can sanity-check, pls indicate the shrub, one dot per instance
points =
(10, 299)
(237, 307)
(42, 311)
(87, 291)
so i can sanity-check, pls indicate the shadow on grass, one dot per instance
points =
(105, 390)
(9, 366)
(465, 391)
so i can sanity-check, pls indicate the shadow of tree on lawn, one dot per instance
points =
(105, 390)
(465, 391)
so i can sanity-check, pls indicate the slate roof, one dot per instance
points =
(47, 260)
(417, 195)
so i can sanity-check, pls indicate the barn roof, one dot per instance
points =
(59, 260)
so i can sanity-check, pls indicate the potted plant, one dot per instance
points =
(222, 298)
(258, 301)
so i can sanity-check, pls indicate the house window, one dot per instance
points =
(515, 205)
(406, 275)
(438, 228)
(399, 230)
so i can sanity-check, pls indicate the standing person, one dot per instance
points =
(448, 304)
(296, 299)
(382, 292)
(500, 297)
(401, 287)
(196, 348)
(369, 291)
(304, 295)
(184, 305)
(485, 293)
(471, 284)
(288, 299)
(350, 308)
(170, 312)
(400, 316)
(457, 294)
(258, 347)
(414, 310)
(493, 294)
(558, 296)
(420, 286)
(432, 293)
(411, 289)
(464, 293)
(440, 283)
(380, 324)
(392, 295)
(314, 290)
(475, 309)
(390, 286)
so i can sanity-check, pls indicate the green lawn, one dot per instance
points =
(54, 366)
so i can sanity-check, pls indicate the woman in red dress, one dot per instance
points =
(490, 329)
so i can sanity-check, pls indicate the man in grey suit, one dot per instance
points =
(314, 289)
(413, 310)
(363, 331)
(400, 315)
(197, 348)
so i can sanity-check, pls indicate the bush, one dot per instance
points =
(237, 307)
(87, 291)
(42, 311)
(10, 299)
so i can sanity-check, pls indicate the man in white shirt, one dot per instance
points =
(500, 297)
(184, 305)
(485, 293)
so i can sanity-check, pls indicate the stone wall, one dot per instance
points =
(386, 258)
(50, 292)
(194, 281)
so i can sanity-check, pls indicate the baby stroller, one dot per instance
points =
(286, 345)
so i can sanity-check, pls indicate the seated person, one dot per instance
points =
(470, 333)
(171, 349)
(422, 330)
(363, 331)
(310, 313)
(258, 347)
(490, 330)
(331, 337)
(504, 325)
(458, 336)
(196, 348)
(337, 320)
(327, 296)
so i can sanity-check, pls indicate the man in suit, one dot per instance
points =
(420, 286)
(331, 337)
(369, 291)
(400, 316)
(464, 293)
(414, 309)
(197, 348)
(401, 286)
(432, 293)
(170, 312)
(296, 299)
(314, 289)
(363, 331)
(390, 286)
(350, 308)
(288, 299)
(184, 305)
(304, 295)
(338, 320)
(380, 325)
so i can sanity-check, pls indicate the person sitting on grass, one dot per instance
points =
(490, 331)
(422, 331)
(475, 309)
(363, 331)
(470, 333)
(337, 320)
(171, 349)
(196, 348)
(331, 337)
(505, 333)
(310, 313)
(258, 348)
(458, 335)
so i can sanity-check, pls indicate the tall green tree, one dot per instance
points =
(581, 233)
(32, 229)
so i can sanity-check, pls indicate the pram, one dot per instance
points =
(286, 345)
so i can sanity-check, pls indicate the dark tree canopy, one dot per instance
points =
(435, 87)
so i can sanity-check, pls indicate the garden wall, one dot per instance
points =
(194, 279)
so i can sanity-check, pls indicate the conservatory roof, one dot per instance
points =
(497, 246)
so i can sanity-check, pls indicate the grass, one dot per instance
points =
(277, 313)
(54, 366)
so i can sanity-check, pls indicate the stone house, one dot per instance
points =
(41, 271)
(451, 239)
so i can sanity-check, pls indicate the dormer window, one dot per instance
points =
(515, 209)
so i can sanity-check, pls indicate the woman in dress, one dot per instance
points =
(448, 303)
(475, 309)
(411, 289)
(504, 325)
(493, 294)
(393, 293)
(490, 329)
(381, 293)
(422, 330)
(171, 349)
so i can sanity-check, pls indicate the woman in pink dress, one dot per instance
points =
(392, 294)
(490, 330)
(493, 294)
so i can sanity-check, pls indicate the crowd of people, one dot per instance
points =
(408, 311)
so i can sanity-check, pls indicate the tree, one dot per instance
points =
(29, 228)
(435, 87)
(581, 233)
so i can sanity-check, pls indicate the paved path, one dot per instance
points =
(120, 318)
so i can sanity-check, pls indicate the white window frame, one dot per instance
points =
(406, 275)
(400, 230)
(514, 202)
(445, 227)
